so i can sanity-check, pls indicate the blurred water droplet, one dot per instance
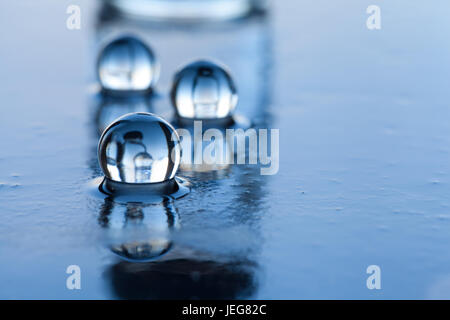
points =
(127, 64)
(203, 90)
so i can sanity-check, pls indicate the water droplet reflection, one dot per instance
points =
(183, 278)
(111, 108)
(216, 253)
(200, 156)
(138, 232)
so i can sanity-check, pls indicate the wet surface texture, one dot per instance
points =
(364, 172)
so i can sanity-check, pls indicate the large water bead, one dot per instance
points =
(139, 148)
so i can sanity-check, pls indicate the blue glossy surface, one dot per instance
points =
(364, 158)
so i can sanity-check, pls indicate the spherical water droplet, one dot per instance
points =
(203, 90)
(139, 148)
(126, 65)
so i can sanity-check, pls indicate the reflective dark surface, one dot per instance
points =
(182, 279)
(138, 232)
(364, 157)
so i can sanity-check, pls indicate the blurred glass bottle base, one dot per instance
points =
(188, 10)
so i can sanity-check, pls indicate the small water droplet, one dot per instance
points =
(127, 64)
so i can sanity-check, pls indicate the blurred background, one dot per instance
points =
(364, 171)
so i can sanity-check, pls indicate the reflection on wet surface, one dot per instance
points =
(203, 245)
(182, 279)
(196, 251)
(217, 151)
(110, 108)
(136, 231)
(214, 252)
(364, 153)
